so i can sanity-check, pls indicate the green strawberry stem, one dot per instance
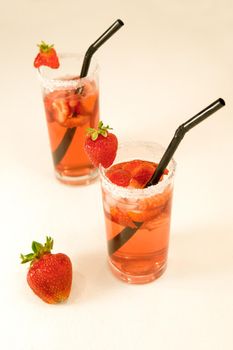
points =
(45, 47)
(38, 251)
(102, 130)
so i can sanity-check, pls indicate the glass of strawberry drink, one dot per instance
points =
(71, 106)
(137, 219)
(137, 198)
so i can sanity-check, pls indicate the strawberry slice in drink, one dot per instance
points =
(132, 165)
(133, 174)
(119, 177)
(142, 174)
(61, 110)
(48, 101)
(64, 107)
(73, 101)
(144, 215)
(121, 217)
(76, 120)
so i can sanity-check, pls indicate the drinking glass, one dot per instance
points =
(71, 106)
(138, 220)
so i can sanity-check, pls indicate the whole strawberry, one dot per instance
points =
(49, 275)
(101, 145)
(46, 57)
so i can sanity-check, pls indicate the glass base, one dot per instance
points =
(137, 279)
(78, 180)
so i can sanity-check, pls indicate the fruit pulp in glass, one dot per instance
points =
(77, 109)
(143, 257)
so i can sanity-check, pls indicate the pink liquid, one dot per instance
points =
(143, 257)
(65, 109)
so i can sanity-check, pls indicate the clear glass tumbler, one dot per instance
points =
(71, 106)
(138, 250)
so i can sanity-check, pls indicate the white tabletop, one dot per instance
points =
(169, 61)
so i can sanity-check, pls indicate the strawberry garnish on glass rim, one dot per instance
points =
(49, 275)
(47, 56)
(101, 145)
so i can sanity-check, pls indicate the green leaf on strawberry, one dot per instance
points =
(39, 250)
(102, 130)
(44, 47)
(26, 258)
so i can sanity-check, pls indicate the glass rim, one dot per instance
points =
(56, 82)
(124, 192)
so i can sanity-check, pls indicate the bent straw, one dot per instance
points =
(121, 238)
(99, 42)
(62, 148)
(179, 134)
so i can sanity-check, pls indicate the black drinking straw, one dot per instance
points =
(119, 240)
(99, 42)
(179, 134)
(60, 151)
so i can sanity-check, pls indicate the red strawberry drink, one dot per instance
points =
(137, 219)
(71, 106)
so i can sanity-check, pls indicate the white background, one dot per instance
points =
(169, 61)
